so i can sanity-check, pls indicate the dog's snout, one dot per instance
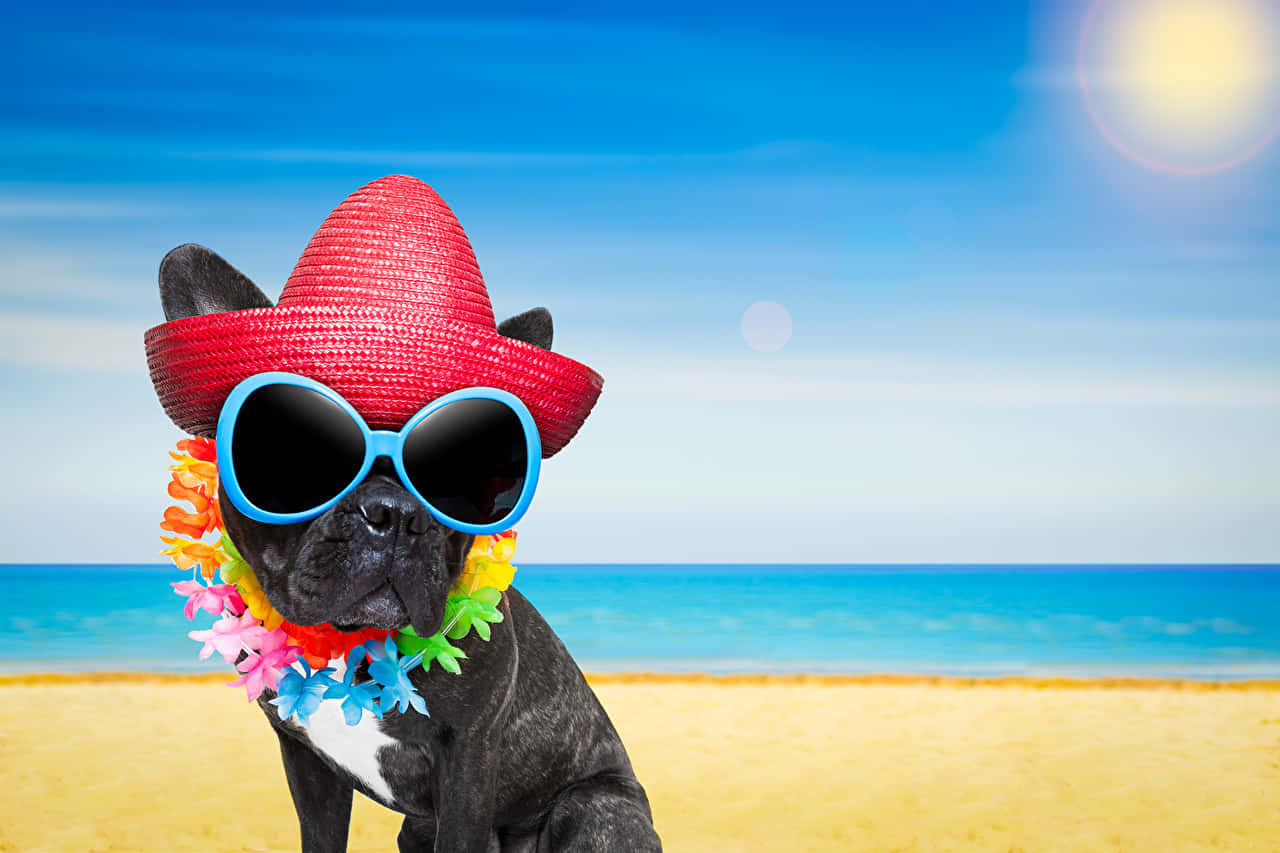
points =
(386, 512)
(417, 520)
(377, 514)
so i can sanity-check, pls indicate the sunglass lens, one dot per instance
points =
(469, 460)
(294, 448)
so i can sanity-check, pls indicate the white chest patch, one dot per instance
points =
(353, 748)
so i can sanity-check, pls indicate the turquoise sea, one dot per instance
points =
(1203, 622)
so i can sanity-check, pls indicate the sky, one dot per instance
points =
(1011, 341)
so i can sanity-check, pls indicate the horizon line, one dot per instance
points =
(726, 564)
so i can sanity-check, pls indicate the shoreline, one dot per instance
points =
(44, 679)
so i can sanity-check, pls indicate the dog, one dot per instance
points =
(516, 753)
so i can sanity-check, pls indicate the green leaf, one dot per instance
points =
(444, 653)
(236, 568)
(408, 641)
(448, 663)
(488, 595)
(230, 548)
(465, 612)
(434, 648)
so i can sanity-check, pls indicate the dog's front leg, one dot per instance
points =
(321, 798)
(464, 800)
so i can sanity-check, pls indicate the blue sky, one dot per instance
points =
(1010, 342)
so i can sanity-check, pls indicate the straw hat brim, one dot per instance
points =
(388, 363)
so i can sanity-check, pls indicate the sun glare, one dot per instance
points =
(1186, 86)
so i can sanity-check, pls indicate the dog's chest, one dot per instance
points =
(353, 748)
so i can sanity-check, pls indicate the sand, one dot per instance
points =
(158, 764)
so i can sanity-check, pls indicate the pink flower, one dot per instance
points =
(262, 669)
(229, 635)
(213, 599)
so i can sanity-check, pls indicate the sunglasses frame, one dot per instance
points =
(377, 443)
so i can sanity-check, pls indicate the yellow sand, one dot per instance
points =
(770, 765)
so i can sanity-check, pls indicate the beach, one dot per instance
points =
(178, 763)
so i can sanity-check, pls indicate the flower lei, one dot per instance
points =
(293, 659)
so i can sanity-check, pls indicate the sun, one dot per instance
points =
(1185, 86)
(1196, 67)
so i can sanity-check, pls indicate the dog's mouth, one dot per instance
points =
(382, 608)
(392, 605)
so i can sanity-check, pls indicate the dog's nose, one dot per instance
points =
(386, 512)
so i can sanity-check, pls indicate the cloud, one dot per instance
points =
(1027, 326)
(429, 159)
(96, 345)
(1113, 79)
(1219, 252)
(13, 207)
(63, 272)
(70, 343)
(766, 152)
(951, 383)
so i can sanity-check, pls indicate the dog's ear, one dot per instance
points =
(195, 280)
(532, 327)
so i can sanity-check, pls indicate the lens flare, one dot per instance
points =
(1187, 87)
(766, 326)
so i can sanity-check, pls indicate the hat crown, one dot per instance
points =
(394, 244)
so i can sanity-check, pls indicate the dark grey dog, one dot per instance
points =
(517, 753)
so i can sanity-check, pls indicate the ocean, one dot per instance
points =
(1196, 622)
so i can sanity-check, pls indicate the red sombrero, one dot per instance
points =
(387, 307)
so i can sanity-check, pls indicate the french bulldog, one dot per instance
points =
(516, 754)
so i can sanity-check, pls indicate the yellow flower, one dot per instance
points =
(488, 564)
(504, 550)
(256, 600)
(481, 573)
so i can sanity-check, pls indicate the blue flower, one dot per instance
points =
(300, 694)
(356, 698)
(392, 672)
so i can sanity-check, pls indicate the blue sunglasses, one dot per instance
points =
(289, 448)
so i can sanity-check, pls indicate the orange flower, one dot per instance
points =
(193, 473)
(187, 554)
(195, 496)
(215, 514)
(194, 525)
(203, 449)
